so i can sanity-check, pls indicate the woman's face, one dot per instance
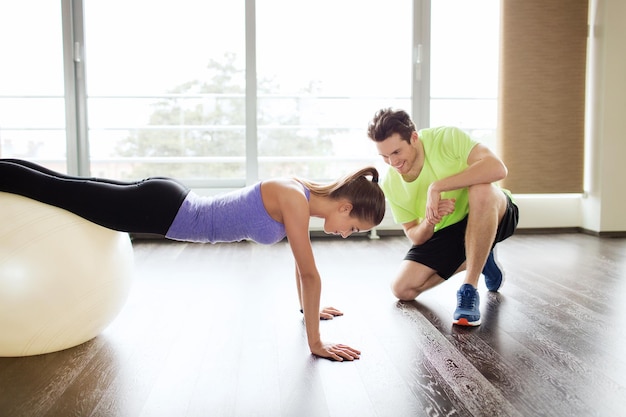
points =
(342, 224)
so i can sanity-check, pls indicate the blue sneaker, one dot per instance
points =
(468, 301)
(493, 273)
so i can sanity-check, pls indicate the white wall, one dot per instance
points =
(603, 205)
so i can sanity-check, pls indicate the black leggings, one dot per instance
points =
(146, 206)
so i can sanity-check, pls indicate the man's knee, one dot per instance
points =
(481, 192)
(403, 292)
(486, 196)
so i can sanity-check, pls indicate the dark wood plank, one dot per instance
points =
(215, 330)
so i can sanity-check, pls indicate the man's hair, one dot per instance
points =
(388, 121)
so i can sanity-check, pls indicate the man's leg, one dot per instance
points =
(432, 262)
(413, 279)
(494, 275)
(487, 205)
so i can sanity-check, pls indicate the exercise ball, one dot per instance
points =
(63, 279)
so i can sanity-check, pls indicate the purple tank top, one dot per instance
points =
(229, 217)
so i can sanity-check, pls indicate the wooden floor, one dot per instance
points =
(214, 330)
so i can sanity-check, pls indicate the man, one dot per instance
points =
(440, 187)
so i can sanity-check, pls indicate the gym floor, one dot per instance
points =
(214, 330)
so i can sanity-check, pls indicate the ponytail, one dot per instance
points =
(366, 196)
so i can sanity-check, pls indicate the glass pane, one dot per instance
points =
(166, 83)
(324, 69)
(32, 107)
(464, 66)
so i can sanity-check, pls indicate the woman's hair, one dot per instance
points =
(366, 196)
(388, 121)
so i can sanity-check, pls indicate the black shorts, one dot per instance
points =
(445, 250)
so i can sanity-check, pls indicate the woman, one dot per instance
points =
(265, 212)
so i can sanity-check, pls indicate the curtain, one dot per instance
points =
(542, 95)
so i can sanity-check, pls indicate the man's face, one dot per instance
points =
(398, 153)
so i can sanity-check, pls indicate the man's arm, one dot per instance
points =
(420, 232)
(484, 167)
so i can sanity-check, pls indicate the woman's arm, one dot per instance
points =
(294, 211)
(326, 313)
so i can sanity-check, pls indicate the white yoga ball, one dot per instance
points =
(63, 279)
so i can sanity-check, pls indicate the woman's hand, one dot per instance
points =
(337, 352)
(327, 313)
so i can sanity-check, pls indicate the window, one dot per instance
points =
(172, 102)
(32, 105)
(166, 88)
(464, 66)
(324, 68)
(220, 94)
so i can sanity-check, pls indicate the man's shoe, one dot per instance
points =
(493, 273)
(468, 301)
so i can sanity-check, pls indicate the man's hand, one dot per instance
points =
(432, 205)
(436, 207)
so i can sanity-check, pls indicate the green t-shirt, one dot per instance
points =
(446, 150)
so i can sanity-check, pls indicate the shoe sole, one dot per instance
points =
(464, 322)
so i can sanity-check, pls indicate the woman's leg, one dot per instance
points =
(50, 172)
(147, 206)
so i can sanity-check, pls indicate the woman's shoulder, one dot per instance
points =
(289, 186)
(284, 190)
(283, 196)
